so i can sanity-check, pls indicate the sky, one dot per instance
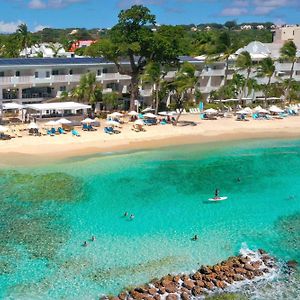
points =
(38, 14)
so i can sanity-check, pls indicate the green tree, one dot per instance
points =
(183, 86)
(90, 88)
(266, 69)
(288, 53)
(133, 39)
(55, 48)
(110, 100)
(25, 37)
(244, 62)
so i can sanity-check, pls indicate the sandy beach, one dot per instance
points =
(31, 149)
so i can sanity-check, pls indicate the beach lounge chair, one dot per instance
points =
(49, 132)
(75, 133)
(61, 131)
(108, 130)
(85, 127)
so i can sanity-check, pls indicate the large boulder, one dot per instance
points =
(122, 295)
(189, 284)
(205, 270)
(199, 283)
(185, 296)
(248, 267)
(240, 271)
(197, 276)
(171, 297)
(152, 291)
(196, 291)
(171, 288)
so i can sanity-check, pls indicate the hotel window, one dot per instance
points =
(54, 72)
(36, 74)
(47, 74)
(104, 71)
(62, 88)
(1, 74)
(71, 72)
(17, 73)
(99, 73)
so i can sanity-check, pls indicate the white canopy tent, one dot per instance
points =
(12, 106)
(57, 107)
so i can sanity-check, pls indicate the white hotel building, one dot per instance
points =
(36, 80)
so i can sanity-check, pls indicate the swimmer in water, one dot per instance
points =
(195, 238)
(238, 179)
(93, 238)
(85, 244)
(131, 216)
(125, 214)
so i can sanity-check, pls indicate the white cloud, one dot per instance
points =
(42, 4)
(234, 11)
(9, 27)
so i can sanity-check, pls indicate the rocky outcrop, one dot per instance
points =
(207, 278)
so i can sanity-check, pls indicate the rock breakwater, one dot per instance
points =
(244, 267)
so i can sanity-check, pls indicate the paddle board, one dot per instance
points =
(218, 199)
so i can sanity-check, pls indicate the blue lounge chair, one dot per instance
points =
(53, 130)
(108, 130)
(85, 127)
(75, 133)
(49, 132)
(61, 131)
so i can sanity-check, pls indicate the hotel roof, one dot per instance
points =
(10, 62)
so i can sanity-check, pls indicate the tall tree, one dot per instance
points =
(266, 69)
(182, 86)
(132, 38)
(244, 62)
(288, 53)
(24, 36)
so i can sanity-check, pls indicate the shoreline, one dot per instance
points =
(28, 150)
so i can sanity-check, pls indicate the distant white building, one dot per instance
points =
(246, 27)
(260, 27)
(44, 50)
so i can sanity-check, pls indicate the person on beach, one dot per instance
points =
(131, 217)
(85, 244)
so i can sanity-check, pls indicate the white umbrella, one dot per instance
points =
(148, 109)
(242, 112)
(263, 111)
(211, 111)
(150, 115)
(87, 121)
(33, 125)
(163, 113)
(257, 108)
(63, 121)
(275, 109)
(139, 122)
(52, 123)
(3, 128)
(116, 114)
(248, 110)
(113, 123)
(133, 113)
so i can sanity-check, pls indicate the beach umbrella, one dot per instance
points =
(242, 112)
(52, 123)
(63, 121)
(87, 121)
(263, 111)
(150, 115)
(3, 128)
(139, 122)
(275, 109)
(148, 109)
(133, 113)
(163, 113)
(248, 110)
(113, 123)
(211, 111)
(257, 108)
(33, 125)
(116, 114)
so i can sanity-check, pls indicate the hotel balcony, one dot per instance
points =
(32, 80)
(213, 72)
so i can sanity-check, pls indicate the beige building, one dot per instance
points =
(287, 33)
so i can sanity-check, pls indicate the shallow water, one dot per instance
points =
(46, 213)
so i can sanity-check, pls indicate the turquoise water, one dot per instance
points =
(48, 212)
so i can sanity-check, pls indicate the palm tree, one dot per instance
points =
(266, 69)
(244, 62)
(288, 52)
(24, 37)
(154, 75)
(182, 86)
(55, 48)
